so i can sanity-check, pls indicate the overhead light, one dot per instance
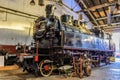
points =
(60, 2)
(32, 2)
(41, 2)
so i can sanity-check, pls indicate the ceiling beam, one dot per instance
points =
(89, 12)
(103, 10)
(117, 15)
(99, 6)
(115, 27)
(112, 24)
(112, 29)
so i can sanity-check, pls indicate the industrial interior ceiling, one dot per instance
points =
(102, 13)
(99, 13)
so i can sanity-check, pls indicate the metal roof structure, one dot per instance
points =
(102, 13)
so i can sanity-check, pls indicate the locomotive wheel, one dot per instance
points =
(88, 70)
(46, 67)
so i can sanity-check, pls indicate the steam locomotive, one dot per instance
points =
(64, 45)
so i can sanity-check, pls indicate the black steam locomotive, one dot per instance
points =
(63, 45)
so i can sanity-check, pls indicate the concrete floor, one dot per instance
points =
(109, 72)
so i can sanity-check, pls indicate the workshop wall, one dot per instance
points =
(14, 29)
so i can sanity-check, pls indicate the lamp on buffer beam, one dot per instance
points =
(32, 2)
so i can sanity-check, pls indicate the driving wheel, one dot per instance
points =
(46, 67)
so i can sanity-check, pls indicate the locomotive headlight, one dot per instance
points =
(18, 47)
(29, 48)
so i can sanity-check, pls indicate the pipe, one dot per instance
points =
(27, 14)
(17, 14)
(89, 11)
